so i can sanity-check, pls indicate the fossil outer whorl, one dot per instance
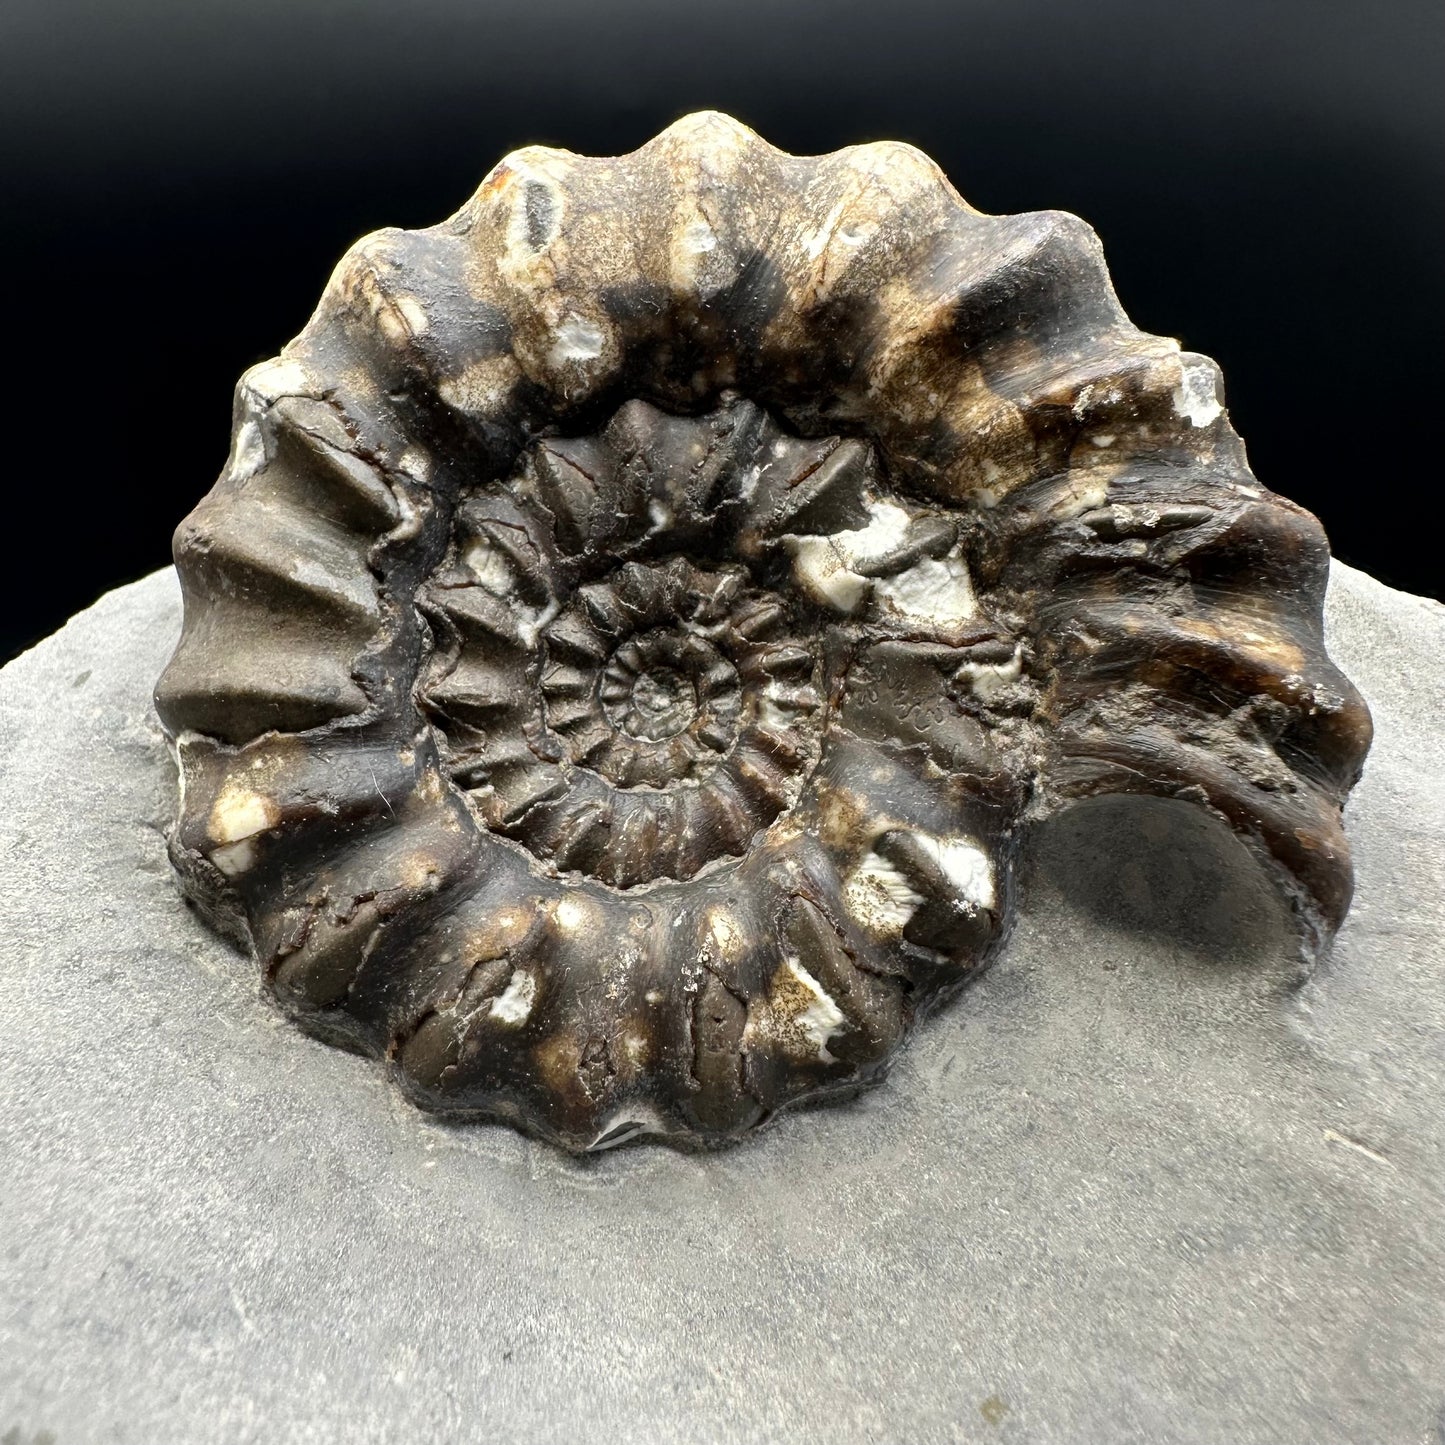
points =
(640, 615)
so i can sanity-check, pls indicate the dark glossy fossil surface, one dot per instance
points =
(641, 617)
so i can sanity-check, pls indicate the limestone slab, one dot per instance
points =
(1141, 1182)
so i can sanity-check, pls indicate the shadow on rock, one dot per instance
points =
(1163, 873)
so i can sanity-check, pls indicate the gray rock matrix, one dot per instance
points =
(1144, 1183)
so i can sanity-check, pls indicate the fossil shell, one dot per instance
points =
(640, 615)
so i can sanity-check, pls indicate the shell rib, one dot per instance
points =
(640, 616)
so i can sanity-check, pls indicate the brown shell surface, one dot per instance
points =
(641, 616)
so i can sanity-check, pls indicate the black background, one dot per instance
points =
(179, 177)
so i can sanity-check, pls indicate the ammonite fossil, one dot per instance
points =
(640, 617)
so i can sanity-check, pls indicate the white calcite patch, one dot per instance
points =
(886, 530)
(482, 385)
(488, 564)
(411, 517)
(412, 313)
(358, 590)
(987, 679)
(416, 464)
(281, 376)
(818, 241)
(234, 858)
(880, 897)
(771, 714)
(239, 813)
(571, 915)
(779, 704)
(248, 454)
(699, 237)
(725, 933)
(531, 621)
(237, 816)
(824, 564)
(538, 203)
(824, 576)
(1195, 397)
(514, 1004)
(965, 865)
(400, 318)
(630, 1122)
(821, 1018)
(883, 900)
(699, 259)
(814, 242)
(934, 593)
(576, 339)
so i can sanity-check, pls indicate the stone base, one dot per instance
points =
(1139, 1183)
